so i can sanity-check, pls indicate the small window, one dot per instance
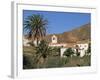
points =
(53, 38)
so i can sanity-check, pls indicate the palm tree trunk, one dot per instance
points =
(37, 42)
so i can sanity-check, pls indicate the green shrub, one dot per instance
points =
(68, 52)
(55, 51)
(53, 61)
(63, 61)
(27, 62)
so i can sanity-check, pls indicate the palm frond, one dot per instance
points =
(36, 25)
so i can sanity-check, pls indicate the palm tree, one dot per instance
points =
(42, 51)
(36, 26)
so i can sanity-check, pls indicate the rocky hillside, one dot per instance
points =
(82, 33)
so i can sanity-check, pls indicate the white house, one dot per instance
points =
(62, 50)
(82, 48)
(25, 42)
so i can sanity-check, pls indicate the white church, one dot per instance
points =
(80, 47)
(54, 42)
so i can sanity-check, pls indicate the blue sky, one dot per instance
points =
(59, 22)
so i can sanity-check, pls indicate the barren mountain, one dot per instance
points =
(82, 33)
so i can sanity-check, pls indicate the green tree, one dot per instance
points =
(35, 26)
(89, 48)
(68, 52)
(77, 50)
